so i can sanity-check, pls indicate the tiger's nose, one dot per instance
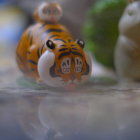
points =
(73, 77)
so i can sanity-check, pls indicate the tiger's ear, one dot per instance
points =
(50, 45)
(81, 43)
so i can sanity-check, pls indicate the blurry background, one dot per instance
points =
(101, 29)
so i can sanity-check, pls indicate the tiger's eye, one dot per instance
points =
(81, 43)
(50, 44)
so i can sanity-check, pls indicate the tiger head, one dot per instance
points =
(64, 64)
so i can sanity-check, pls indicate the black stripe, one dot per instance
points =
(87, 69)
(49, 31)
(63, 54)
(31, 40)
(67, 53)
(19, 57)
(74, 48)
(60, 40)
(52, 36)
(63, 45)
(63, 49)
(32, 62)
(32, 70)
(30, 37)
(53, 30)
(38, 53)
(42, 49)
(77, 53)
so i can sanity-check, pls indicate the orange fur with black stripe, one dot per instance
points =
(33, 44)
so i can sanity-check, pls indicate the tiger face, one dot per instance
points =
(69, 65)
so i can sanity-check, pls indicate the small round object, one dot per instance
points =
(81, 43)
(50, 44)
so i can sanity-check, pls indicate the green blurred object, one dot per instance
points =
(101, 29)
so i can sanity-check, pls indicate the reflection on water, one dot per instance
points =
(95, 111)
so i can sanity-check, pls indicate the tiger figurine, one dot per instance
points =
(47, 52)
